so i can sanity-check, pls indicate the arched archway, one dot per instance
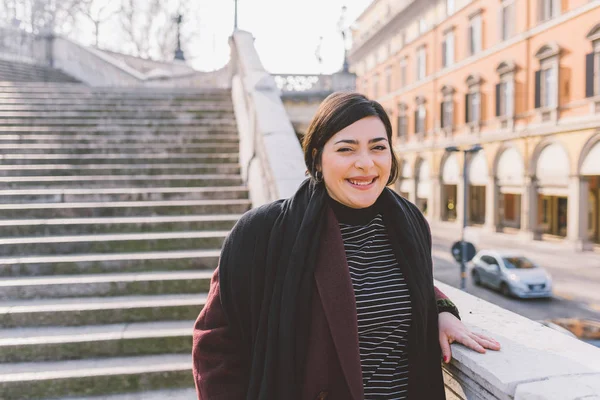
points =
(589, 169)
(551, 168)
(406, 183)
(510, 177)
(423, 185)
(450, 177)
(478, 179)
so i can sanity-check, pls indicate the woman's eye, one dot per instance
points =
(380, 148)
(344, 149)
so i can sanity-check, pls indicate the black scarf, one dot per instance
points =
(266, 274)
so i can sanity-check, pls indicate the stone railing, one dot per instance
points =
(301, 87)
(270, 156)
(535, 362)
(19, 45)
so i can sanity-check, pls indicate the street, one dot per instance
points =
(562, 305)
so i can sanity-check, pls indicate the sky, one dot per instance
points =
(287, 33)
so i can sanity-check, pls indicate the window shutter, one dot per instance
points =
(589, 75)
(442, 115)
(471, 40)
(538, 79)
(416, 122)
(467, 106)
(444, 59)
(498, 99)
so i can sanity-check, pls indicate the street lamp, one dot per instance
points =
(463, 261)
(343, 31)
(178, 52)
(235, 18)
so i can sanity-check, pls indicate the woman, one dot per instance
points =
(329, 294)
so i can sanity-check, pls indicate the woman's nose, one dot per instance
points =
(364, 162)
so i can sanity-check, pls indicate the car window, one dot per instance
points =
(518, 263)
(489, 260)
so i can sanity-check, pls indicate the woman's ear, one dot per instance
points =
(317, 165)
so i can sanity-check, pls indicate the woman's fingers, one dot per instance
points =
(486, 341)
(445, 346)
(471, 343)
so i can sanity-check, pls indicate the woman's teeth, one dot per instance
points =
(361, 183)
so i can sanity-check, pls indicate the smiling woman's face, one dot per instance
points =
(357, 162)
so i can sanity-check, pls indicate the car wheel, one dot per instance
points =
(476, 278)
(504, 289)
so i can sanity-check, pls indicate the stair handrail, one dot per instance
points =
(271, 159)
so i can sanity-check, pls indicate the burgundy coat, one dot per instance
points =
(333, 369)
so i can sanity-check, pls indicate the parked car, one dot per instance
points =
(511, 273)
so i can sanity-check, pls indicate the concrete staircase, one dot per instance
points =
(24, 72)
(114, 204)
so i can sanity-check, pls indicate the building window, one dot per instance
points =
(546, 82)
(420, 117)
(422, 25)
(448, 49)
(548, 9)
(447, 109)
(450, 7)
(388, 79)
(402, 122)
(548, 86)
(421, 63)
(403, 71)
(375, 84)
(473, 103)
(508, 19)
(505, 94)
(592, 64)
(475, 33)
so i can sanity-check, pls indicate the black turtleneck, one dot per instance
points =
(353, 216)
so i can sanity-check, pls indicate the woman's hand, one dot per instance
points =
(453, 330)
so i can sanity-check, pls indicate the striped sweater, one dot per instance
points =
(382, 301)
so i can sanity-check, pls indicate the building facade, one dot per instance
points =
(519, 77)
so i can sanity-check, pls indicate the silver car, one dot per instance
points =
(511, 273)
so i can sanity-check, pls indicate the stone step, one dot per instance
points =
(128, 121)
(120, 130)
(106, 285)
(100, 139)
(42, 380)
(93, 148)
(112, 243)
(113, 97)
(93, 226)
(118, 113)
(117, 169)
(103, 106)
(63, 85)
(173, 394)
(122, 194)
(78, 311)
(80, 342)
(111, 104)
(119, 181)
(109, 263)
(124, 208)
(121, 158)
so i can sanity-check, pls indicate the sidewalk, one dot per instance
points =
(576, 275)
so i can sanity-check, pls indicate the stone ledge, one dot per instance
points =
(532, 356)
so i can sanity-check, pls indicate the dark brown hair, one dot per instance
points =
(336, 112)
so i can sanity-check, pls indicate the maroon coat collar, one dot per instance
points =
(335, 290)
